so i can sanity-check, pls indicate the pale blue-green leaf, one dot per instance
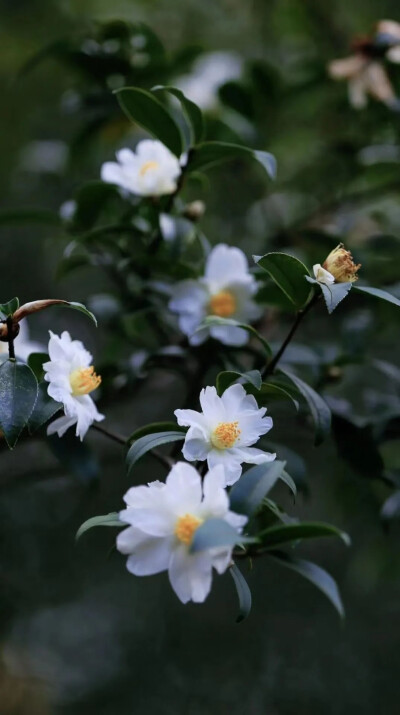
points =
(149, 442)
(378, 293)
(111, 519)
(243, 592)
(216, 320)
(253, 486)
(216, 532)
(320, 411)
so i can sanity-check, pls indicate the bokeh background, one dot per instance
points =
(78, 634)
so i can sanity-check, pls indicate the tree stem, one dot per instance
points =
(10, 327)
(270, 367)
(165, 461)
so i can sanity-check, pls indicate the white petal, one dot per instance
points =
(212, 406)
(147, 556)
(215, 502)
(196, 448)
(190, 418)
(230, 462)
(322, 275)
(225, 264)
(111, 173)
(190, 575)
(229, 334)
(251, 455)
(61, 425)
(189, 296)
(184, 491)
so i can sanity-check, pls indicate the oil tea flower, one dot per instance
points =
(226, 290)
(322, 276)
(225, 430)
(71, 379)
(151, 170)
(341, 266)
(163, 519)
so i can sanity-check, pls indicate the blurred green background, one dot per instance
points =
(78, 634)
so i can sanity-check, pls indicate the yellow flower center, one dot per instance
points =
(223, 304)
(225, 435)
(186, 526)
(148, 166)
(84, 380)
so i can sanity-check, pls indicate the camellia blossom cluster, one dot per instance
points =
(71, 379)
(163, 519)
(226, 290)
(152, 170)
(224, 431)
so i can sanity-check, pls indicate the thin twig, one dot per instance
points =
(111, 435)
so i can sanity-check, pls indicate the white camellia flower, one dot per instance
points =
(23, 346)
(223, 432)
(71, 378)
(162, 520)
(226, 290)
(152, 170)
(322, 275)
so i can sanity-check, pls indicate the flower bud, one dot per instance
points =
(195, 210)
(341, 266)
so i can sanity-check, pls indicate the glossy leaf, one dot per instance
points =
(315, 574)
(156, 427)
(216, 320)
(149, 442)
(211, 153)
(271, 391)
(226, 378)
(243, 592)
(35, 362)
(45, 408)
(90, 200)
(216, 532)
(277, 535)
(378, 293)
(289, 274)
(320, 411)
(253, 486)
(191, 110)
(333, 294)
(7, 309)
(82, 309)
(144, 109)
(111, 519)
(18, 394)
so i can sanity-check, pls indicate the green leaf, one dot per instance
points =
(7, 309)
(315, 574)
(90, 200)
(216, 532)
(154, 427)
(320, 411)
(289, 481)
(253, 486)
(211, 320)
(378, 293)
(333, 293)
(226, 378)
(144, 109)
(111, 519)
(288, 273)
(191, 110)
(45, 408)
(82, 309)
(243, 592)
(277, 535)
(149, 442)
(271, 391)
(18, 394)
(211, 153)
(35, 362)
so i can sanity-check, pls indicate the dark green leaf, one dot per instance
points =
(82, 309)
(243, 592)
(90, 200)
(216, 320)
(277, 535)
(217, 532)
(111, 519)
(35, 362)
(18, 394)
(320, 411)
(144, 109)
(289, 274)
(22, 217)
(271, 391)
(155, 427)
(211, 153)
(7, 309)
(333, 293)
(315, 574)
(192, 111)
(149, 442)
(253, 486)
(378, 293)
(45, 408)
(226, 378)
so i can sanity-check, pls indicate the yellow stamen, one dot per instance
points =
(225, 435)
(223, 304)
(148, 166)
(186, 526)
(84, 380)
